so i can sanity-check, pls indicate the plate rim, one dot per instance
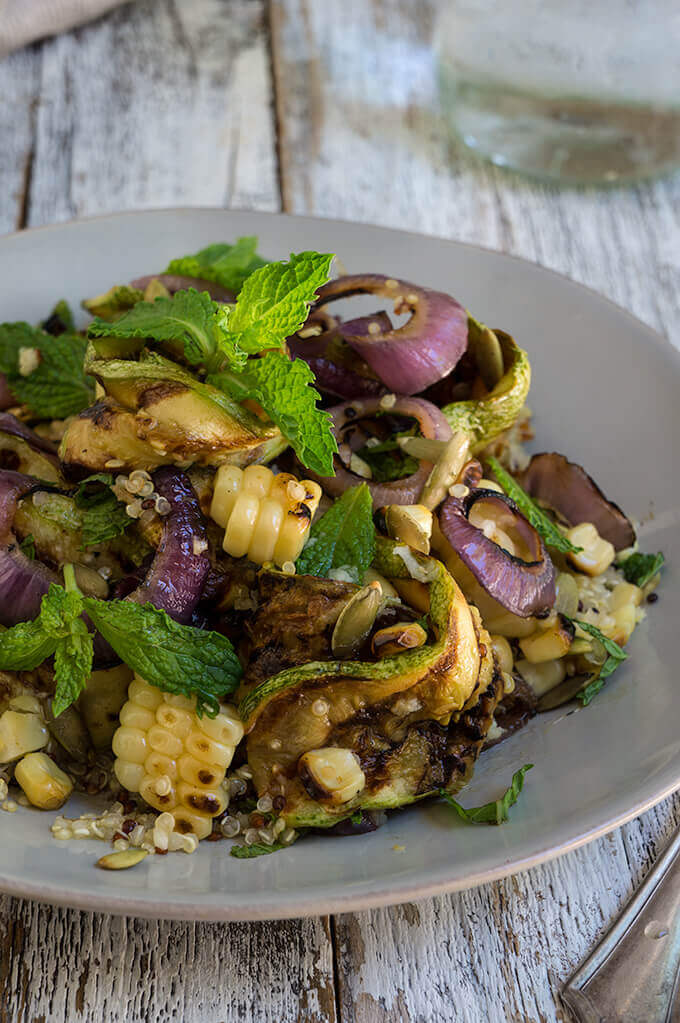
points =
(397, 891)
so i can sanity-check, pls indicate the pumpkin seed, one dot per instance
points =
(356, 620)
(563, 693)
(122, 860)
(410, 524)
(446, 470)
(487, 351)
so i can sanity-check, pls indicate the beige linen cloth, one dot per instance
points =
(24, 21)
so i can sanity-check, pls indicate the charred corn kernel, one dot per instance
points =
(597, 554)
(335, 773)
(502, 652)
(548, 644)
(264, 516)
(510, 625)
(44, 784)
(625, 620)
(174, 759)
(621, 595)
(19, 734)
(26, 703)
(544, 676)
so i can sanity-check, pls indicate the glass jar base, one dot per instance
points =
(567, 140)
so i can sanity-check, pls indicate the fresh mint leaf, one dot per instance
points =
(27, 546)
(189, 317)
(640, 568)
(274, 301)
(541, 522)
(25, 646)
(176, 658)
(342, 538)
(114, 302)
(249, 852)
(495, 812)
(357, 817)
(60, 617)
(615, 656)
(585, 695)
(72, 665)
(57, 387)
(284, 390)
(103, 515)
(227, 265)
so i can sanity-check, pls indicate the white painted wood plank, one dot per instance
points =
(59, 964)
(359, 138)
(18, 91)
(163, 102)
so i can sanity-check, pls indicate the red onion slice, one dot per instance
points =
(176, 282)
(335, 374)
(432, 423)
(523, 587)
(175, 581)
(567, 487)
(410, 358)
(23, 582)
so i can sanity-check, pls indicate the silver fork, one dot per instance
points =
(633, 974)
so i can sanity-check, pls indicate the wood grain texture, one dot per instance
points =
(19, 76)
(159, 104)
(59, 965)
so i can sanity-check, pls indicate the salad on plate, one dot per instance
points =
(269, 568)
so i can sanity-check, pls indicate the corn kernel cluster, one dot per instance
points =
(174, 759)
(264, 516)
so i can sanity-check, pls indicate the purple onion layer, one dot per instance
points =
(523, 587)
(572, 493)
(175, 581)
(409, 358)
(23, 582)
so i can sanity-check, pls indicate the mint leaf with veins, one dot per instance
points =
(226, 265)
(342, 538)
(274, 301)
(495, 812)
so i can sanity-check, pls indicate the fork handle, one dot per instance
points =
(632, 975)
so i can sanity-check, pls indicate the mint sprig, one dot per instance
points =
(497, 811)
(177, 658)
(249, 852)
(640, 568)
(223, 264)
(274, 301)
(283, 388)
(103, 515)
(187, 317)
(342, 538)
(541, 522)
(615, 656)
(57, 387)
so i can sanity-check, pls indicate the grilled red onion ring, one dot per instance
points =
(23, 582)
(176, 282)
(175, 581)
(336, 374)
(409, 358)
(566, 487)
(523, 587)
(432, 423)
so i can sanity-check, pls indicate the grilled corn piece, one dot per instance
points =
(21, 733)
(335, 774)
(264, 516)
(44, 784)
(174, 759)
(596, 555)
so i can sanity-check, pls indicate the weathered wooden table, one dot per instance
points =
(326, 108)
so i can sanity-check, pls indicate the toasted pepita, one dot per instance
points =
(122, 860)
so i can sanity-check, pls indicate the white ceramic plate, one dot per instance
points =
(605, 391)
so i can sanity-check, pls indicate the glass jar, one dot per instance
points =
(565, 90)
